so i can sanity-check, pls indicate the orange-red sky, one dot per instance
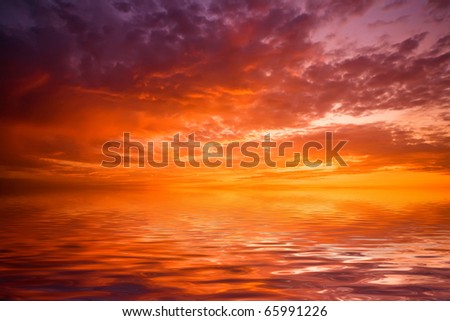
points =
(75, 74)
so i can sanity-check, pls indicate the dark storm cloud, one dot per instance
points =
(171, 65)
(410, 44)
(439, 9)
(172, 49)
(114, 44)
(339, 9)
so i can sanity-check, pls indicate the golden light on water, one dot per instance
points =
(226, 245)
(76, 75)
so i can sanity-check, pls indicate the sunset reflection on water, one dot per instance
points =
(226, 245)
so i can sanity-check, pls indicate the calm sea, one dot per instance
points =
(226, 245)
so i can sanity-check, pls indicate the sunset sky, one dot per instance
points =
(75, 74)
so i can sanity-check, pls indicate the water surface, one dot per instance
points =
(225, 245)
